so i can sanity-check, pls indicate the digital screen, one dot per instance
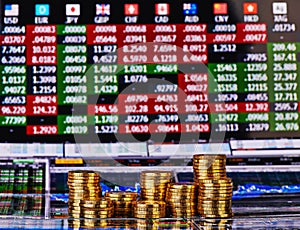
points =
(146, 70)
(22, 188)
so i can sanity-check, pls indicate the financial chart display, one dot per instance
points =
(149, 70)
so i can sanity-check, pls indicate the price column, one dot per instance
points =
(13, 76)
(223, 67)
(103, 85)
(41, 85)
(253, 77)
(72, 79)
(133, 80)
(284, 70)
(223, 96)
(166, 102)
(193, 81)
(285, 97)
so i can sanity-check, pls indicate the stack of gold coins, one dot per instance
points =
(154, 184)
(215, 196)
(91, 211)
(214, 188)
(150, 209)
(123, 203)
(83, 185)
(182, 199)
(209, 166)
(85, 199)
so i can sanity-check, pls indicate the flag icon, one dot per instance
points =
(42, 9)
(131, 9)
(220, 8)
(72, 9)
(162, 9)
(190, 8)
(102, 9)
(250, 8)
(279, 7)
(11, 10)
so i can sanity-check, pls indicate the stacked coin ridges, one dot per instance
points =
(84, 185)
(146, 209)
(91, 212)
(85, 203)
(154, 184)
(182, 199)
(214, 188)
(123, 203)
(209, 166)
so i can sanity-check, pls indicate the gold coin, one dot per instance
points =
(225, 180)
(121, 194)
(180, 185)
(149, 216)
(142, 210)
(219, 156)
(204, 201)
(100, 201)
(74, 215)
(149, 212)
(155, 172)
(217, 216)
(98, 206)
(219, 195)
(215, 191)
(207, 171)
(209, 164)
(82, 178)
(213, 206)
(150, 204)
(82, 172)
(183, 207)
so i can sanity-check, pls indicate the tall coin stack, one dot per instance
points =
(182, 199)
(154, 184)
(214, 188)
(123, 203)
(84, 196)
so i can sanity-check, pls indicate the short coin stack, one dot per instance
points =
(154, 184)
(91, 211)
(150, 209)
(123, 203)
(214, 188)
(182, 199)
